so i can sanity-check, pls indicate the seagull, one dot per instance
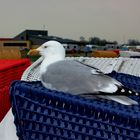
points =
(77, 78)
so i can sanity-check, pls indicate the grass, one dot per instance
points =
(24, 55)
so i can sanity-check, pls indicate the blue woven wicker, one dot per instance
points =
(42, 114)
(127, 80)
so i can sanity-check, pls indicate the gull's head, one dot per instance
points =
(50, 49)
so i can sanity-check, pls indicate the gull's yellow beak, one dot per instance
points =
(33, 52)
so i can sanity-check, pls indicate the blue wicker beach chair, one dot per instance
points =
(43, 114)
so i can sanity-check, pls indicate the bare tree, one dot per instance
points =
(82, 38)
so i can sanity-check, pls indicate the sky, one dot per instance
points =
(107, 19)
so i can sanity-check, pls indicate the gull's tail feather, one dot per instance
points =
(120, 96)
(123, 100)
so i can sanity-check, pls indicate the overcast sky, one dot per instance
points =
(108, 19)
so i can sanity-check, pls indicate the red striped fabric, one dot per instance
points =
(10, 70)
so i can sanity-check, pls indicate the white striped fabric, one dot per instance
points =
(106, 65)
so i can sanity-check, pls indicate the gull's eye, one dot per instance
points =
(45, 46)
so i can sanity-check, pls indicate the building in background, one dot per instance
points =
(15, 43)
(38, 37)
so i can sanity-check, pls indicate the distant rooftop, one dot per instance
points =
(5, 39)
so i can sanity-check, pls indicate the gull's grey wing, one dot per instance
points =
(76, 78)
(73, 77)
